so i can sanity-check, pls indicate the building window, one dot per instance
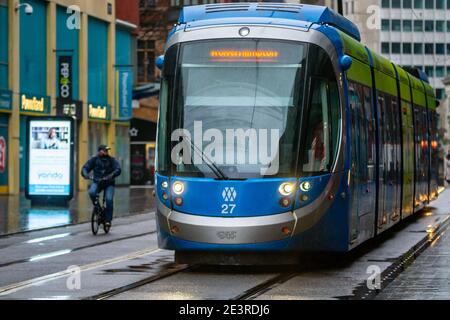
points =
(440, 4)
(429, 71)
(385, 47)
(448, 71)
(440, 94)
(448, 4)
(407, 25)
(440, 48)
(174, 3)
(396, 25)
(395, 3)
(448, 26)
(146, 3)
(418, 4)
(439, 71)
(385, 25)
(146, 61)
(429, 25)
(429, 48)
(418, 25)
(418, 48)
(448, 48)
(395, 47)
(407, 4)
(419, 67)
(440, 25)
(429, 4)
(385, 4)
(407, 48)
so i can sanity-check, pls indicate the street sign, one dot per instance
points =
(65, 87)
(72, 108)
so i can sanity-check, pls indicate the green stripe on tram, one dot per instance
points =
(354, 48)
(405, 92)
(385, 83)
(360, 72)
(418, 92)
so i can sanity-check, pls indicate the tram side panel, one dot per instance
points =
(433, 146)
(389, 184)
(408, 159)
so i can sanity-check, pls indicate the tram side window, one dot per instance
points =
(317, 152)
(166, 89)
(161, 160)
(370, 126)
(322, 119)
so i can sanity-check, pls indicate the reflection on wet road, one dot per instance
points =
(17, 215)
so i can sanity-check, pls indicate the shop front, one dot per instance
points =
(33, 99)
(143, 137)
(5, 97)
(99, 119)
(30, 106)
(124, 93)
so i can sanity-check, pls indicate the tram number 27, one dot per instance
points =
(228, 208)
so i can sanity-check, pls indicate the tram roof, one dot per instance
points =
(268, 13)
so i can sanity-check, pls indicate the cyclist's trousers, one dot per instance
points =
(109, 195)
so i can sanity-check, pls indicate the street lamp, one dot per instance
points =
(28, 8)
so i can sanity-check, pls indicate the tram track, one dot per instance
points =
(170, 271)
(9, 289)
(66, 251)
(169, 268)
(434, 233)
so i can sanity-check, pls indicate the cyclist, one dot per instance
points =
(105, 169)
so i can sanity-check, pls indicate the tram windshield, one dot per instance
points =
(236, 109)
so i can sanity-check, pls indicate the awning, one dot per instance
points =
(146, 91)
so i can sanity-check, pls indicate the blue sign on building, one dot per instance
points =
(124, 78)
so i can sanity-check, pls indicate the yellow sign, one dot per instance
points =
(33, 104)
(98, 112)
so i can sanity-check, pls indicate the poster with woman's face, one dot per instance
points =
(49, 158)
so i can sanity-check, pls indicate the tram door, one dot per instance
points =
(421, 149)
(362, 145)
(408, 159)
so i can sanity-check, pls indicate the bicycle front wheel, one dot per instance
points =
(95, 223)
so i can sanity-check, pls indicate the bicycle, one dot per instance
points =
(98, 214)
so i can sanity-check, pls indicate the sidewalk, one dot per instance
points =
(16, 214)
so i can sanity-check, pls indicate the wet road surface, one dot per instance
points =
(17, 215)
(70, 263)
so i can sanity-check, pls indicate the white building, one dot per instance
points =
(409, 32)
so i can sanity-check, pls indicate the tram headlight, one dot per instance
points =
(178, 187)
(305, 186)
(164, 185)
(287, 188)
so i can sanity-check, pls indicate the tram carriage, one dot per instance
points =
(357, 146)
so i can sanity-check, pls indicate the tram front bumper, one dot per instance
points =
(226, 230)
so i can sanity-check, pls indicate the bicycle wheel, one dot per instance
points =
(105, 227)
(95, 223)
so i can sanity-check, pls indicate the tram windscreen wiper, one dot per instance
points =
(211, 164)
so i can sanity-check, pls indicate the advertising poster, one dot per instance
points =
(50, 159)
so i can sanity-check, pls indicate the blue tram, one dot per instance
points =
(279, 131)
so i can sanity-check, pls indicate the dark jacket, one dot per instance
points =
(103, 167)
